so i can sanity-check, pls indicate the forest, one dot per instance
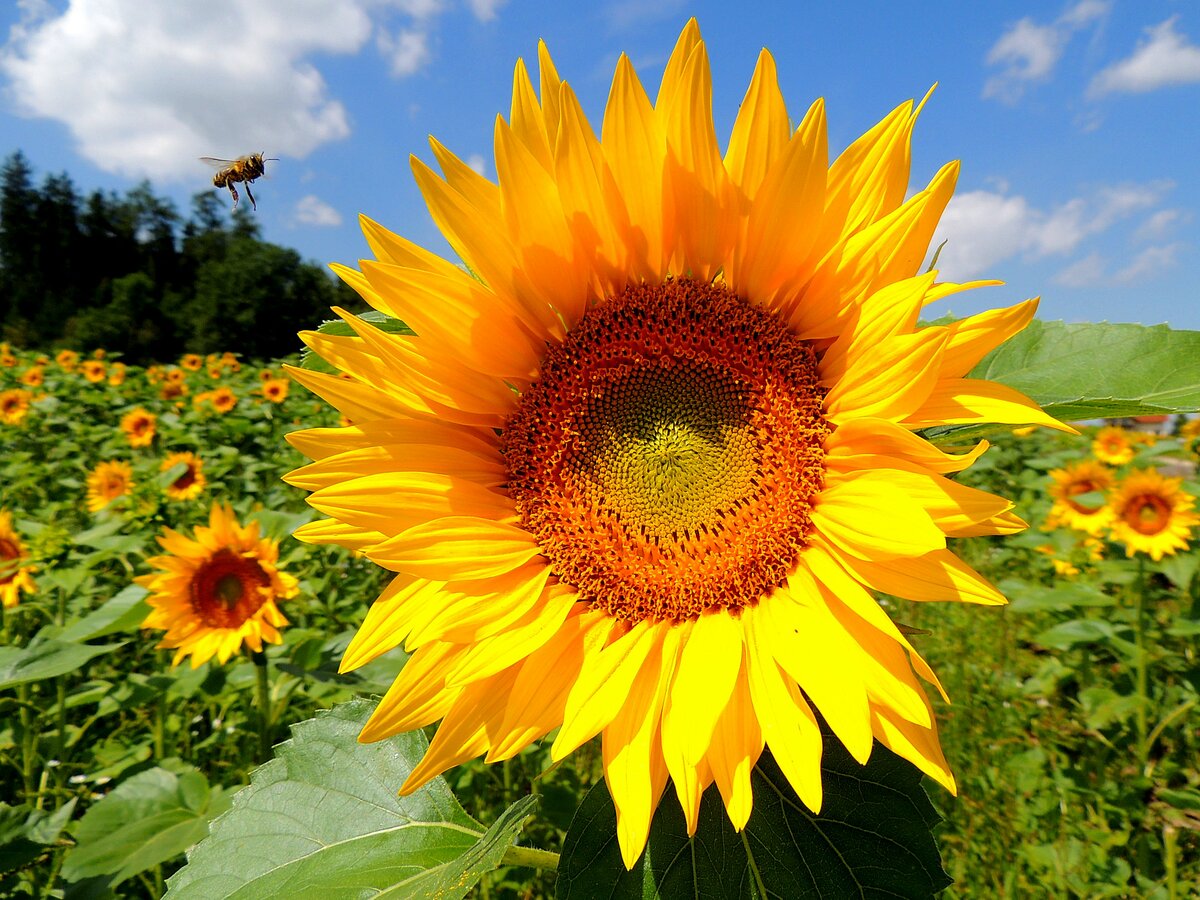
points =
(131, 274)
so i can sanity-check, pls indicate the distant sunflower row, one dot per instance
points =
(1141, 508)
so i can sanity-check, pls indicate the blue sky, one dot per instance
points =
(1078, 125)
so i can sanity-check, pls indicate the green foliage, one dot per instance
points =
(872, 839)
(324, 814)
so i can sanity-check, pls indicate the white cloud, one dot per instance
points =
(146, 88)
(407, 52)
(485, 10)
(312, 210)
(1029, 51)
(984, 228)
(1160, 224)
(478, 163)
(1163, 58)
(1149, 263)
(1087, 272)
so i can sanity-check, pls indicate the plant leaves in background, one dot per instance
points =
(1093, 371)
(873, 838)
(323, 819)
(123, 613)
(46, 659)
(150, 818)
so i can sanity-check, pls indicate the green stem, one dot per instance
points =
(1170, 846)
(530, 857)
(263, 685)
(28, 742)
(160, 726)
(1140, 668)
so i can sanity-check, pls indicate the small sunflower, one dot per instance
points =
(93, 370)
(14, 406)
(34, 376)
(1190, 429)
(193, 362)
(1073, 481)
(223, 400)
(68, 360)
(99, 353)
(216, 591)
(1112, 445)
(108, 481)
(191, 482)
(1152, 514)
(275, 389)
(116, 374)
(646, 460)
(173, 390)
(140, 427)
(14, 577)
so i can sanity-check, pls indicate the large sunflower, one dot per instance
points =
(644, 463)
(1072, 482)
(1152, 514)
(217, 591)
(14, 576)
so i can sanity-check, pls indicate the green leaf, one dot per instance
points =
(1066, 635)
(1026, 597)
(46, 659)
(25, 833)
(873, 838)
(1145, 370)
(325, 814)
(123, 613)
(340, 328)
(152, 817)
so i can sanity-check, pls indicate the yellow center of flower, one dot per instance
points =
(667, 457)
(227, 589)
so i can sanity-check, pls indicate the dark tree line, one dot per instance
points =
(126, 273)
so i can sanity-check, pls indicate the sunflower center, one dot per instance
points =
(668, 456)
(1148, 514)
(225, 591)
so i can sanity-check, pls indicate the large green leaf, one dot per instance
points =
(1092, 371)
(46, 659)
(154, 816)
(873, 838)
(27, 833)
(340, 328)
(323, 819)
(123, 613)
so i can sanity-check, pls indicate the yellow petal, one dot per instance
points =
(869, 517)
(458, 548)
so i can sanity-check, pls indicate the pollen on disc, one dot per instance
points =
(667, 457)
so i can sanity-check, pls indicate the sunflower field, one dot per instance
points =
(614, 562)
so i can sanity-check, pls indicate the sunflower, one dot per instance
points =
(216, 591)
(646, 460)
(191, 361)
(223, 400)
(14, 406)
(14, 577)
(1087, 477)
(108, 481)
(116, 374)
(275, 389)
(34, 376)
(68, 360)
(191, 482)
(1152, 514)
(1113, 446)
(93, 370)
(173, 390)
(139, 427)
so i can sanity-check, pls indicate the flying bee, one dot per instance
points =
(243, 169)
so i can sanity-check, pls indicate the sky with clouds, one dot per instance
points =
(1078, 125)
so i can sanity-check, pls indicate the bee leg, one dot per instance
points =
(253, 205)
(233, 191)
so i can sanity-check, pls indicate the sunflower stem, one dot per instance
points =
(263, 696)
(1140, 673)
(531, 857)
(160, 726)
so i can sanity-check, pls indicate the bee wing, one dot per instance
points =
(217, 163)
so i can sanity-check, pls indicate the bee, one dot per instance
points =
(243, 169)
